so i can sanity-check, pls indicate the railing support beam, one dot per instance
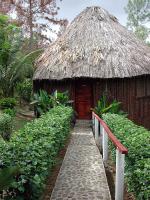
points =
(119, 188)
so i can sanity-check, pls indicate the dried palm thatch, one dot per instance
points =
(94, 45)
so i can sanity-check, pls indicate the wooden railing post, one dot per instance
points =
(119, 188)
(96, 129)
(101, 136)
(93, 121)
(105, 145)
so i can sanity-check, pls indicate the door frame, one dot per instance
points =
(86, 82)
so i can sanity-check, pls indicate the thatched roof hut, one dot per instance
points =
(95, 54)
(95, 45)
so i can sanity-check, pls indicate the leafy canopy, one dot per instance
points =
(138, 16)
(14, 63)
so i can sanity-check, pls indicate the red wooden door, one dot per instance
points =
(83, 100)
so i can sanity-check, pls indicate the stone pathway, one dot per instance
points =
(82, 175)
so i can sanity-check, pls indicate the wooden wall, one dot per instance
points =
(134, 93)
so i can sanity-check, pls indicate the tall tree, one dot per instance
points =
(5, 5)
(15, 65)
(37, 17)
(138, 16)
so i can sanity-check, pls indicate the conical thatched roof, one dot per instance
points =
(94, 45)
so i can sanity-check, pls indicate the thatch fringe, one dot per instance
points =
(94, 45)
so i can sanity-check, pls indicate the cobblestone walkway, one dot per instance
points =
(82, 174)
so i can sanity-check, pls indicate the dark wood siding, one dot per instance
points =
(134, 93)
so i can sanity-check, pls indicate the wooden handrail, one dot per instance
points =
(112, 137)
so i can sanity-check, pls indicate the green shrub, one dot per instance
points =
(62, 98)
(43, 102)
(8, 103)
(137, 140)
(24, 90)
(10, 112)
(6, 125)
(34, 148)
(103, 106)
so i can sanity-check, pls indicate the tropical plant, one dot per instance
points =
(9, 111)
(14, 63)
(24, 90)
(8, 103)
(59, 98)
(103, 106)
(43, 102)
(63, 98)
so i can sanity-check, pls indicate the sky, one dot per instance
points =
(69, 9)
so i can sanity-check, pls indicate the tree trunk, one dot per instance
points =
(30, 24)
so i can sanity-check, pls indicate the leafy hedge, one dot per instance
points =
(137, 140)
(34, 149)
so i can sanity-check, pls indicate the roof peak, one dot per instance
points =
(94, 45)
(98, 11)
